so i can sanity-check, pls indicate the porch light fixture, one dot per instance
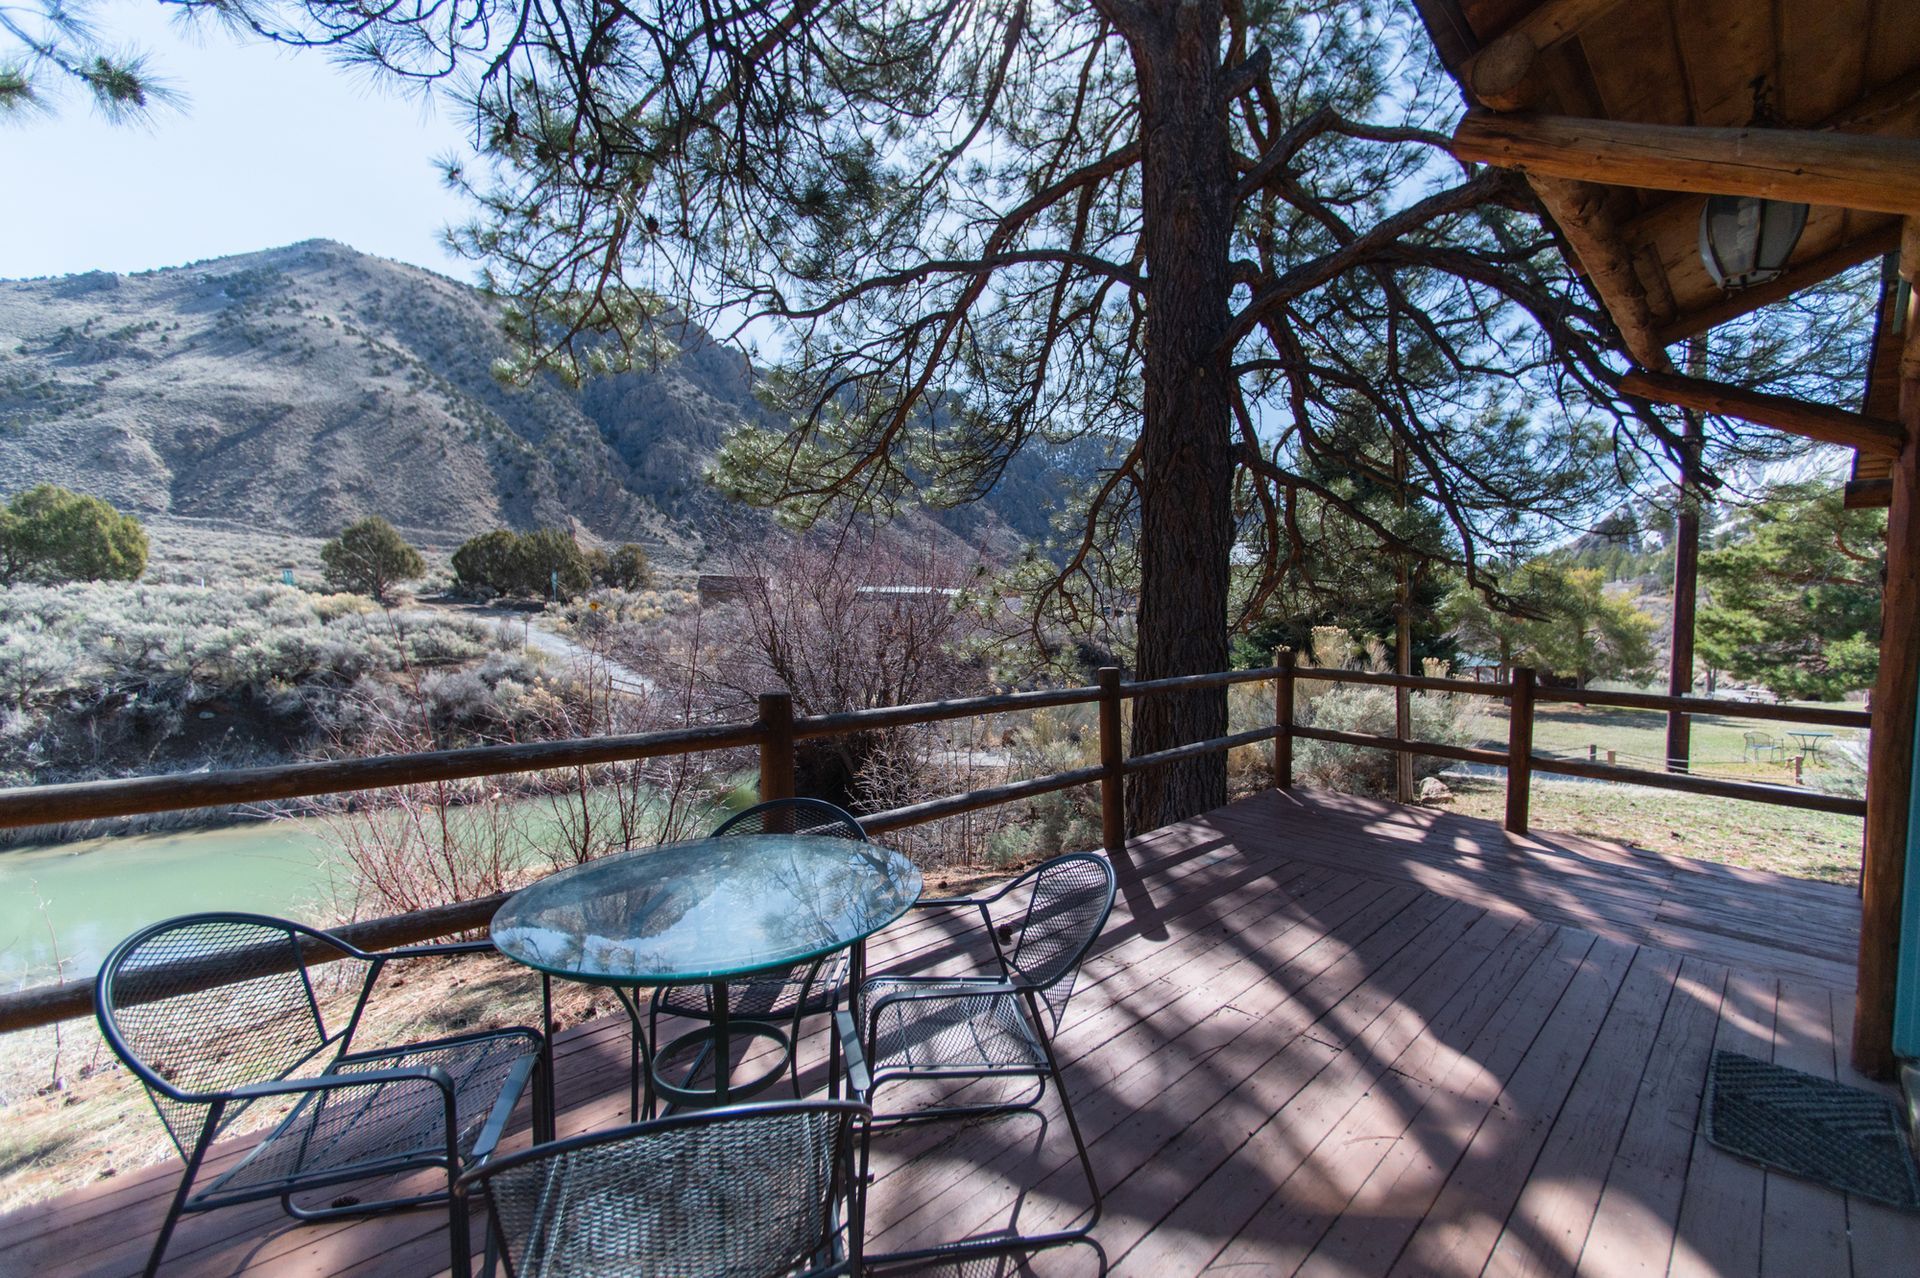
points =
(1745, 240)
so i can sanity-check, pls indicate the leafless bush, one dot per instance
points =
(597, 809)
(852, 620)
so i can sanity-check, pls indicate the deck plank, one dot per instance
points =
(1321, 1035)
(1639, 1210)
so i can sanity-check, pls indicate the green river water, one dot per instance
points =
(79, 899)
(72, 902)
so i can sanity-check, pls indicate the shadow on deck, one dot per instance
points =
(1322, 1035)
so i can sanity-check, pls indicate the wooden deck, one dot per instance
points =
(1320, 1036)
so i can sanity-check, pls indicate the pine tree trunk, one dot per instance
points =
(1186, 524)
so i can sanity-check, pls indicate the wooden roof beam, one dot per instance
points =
(1813, 421)
(1579, 210)
(1851, 171)
(1502, 75)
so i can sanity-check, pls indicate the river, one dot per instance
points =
(79, 899)
(75, 901)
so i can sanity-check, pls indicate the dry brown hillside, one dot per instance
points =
(296, 389)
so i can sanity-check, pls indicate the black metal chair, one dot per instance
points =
(213, 1012)
(981, 1027)
(749, 1191)
(784, 996)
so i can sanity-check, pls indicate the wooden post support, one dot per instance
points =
(1890, 771)
(1113, 758)
(1519, 749)
(1403, 696)
(776, 747)
(1686, 577)
(1283, 720)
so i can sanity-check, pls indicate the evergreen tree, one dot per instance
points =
(50, 534)
(486, 562)
(547, 560)
(1794, 605)
(1197, 229)
(370, 558)
(628, 568)
(58, 39)
(529, 566)
(1571, 627)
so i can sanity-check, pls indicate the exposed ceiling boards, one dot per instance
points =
(1841, 66)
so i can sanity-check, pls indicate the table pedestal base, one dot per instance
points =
(674, 1082)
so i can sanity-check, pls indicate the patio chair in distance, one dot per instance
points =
(978, 1027)
(1762, 747)
(750, 1191)
(213, 1012)
(784, 996)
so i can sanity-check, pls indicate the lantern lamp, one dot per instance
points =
(1745, 240)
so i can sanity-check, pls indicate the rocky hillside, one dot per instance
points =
(297, 389)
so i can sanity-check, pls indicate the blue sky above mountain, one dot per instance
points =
(271, 148)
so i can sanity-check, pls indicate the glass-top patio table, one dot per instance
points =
(705, 912)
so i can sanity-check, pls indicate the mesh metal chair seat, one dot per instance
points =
(341, 1133)
(217, 1012)
(751, 1191)
(780, 995)
(903, 1027)
(961, 1026)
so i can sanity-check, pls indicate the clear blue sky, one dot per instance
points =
(273, 146)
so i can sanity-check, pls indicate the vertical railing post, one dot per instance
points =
(1113, 776)
(776, 746)
(1519, 749)
(1283, 720)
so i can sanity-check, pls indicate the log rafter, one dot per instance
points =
(1852, 171)
(1812, 421)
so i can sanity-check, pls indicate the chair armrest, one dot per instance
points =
(532, 1035)
(979, 903)
(430, 1074)
(859, 1077)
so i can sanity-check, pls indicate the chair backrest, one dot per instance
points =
(205, 1003)
(1071, 897)
(1757, 740)
(748, 1190)
(793, 816)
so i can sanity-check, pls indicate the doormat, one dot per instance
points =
(1813, 1128)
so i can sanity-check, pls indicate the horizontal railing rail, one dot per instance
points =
(777, 729)
(177, 792)
(1706, 705)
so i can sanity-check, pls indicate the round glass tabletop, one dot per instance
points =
(705, 910)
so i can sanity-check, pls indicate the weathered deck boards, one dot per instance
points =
(1320, 1036)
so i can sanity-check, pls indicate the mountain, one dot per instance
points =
(300, 388)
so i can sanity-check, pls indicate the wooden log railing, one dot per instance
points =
(777, 728)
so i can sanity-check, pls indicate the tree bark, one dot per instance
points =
(1686, 578)
(1186, 523)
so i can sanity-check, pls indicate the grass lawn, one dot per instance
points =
(1808, 845)
(1638, 739)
